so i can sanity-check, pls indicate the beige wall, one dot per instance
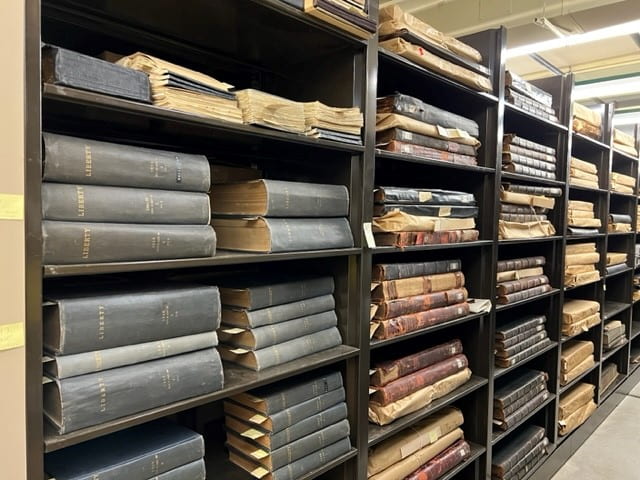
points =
(12, 297)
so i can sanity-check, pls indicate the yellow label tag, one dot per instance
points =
(444, 211)
(11, 336)
(11, 206)
(424, 196)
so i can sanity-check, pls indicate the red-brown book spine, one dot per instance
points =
(520, 263)
(443, 462)
(408, 323)
(420, 303)
(523, 294)
(505, 288)
(410, 239)
(429, 153)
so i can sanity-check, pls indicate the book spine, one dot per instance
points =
(521, 209)
(309, 444)
(79, 242)
(269, 295)
(545, 157)
(390, 370)
(520, 263)
(502, 413)
(292, 415)
(299, 468)
(425, 141)
(532, 172)
(529, 162)
(89, 162)
(523, 294)
(423, 196)
(518, 217)
(518, 357)
(413, 382)
(395, 271)
(288, 311)
(523, 411)
(420, 303)
(443, 462)
(408, 287)
(528, 144)
(409, 323)
(191, 471)
(429, 153)
(524, 471)
(518, 388)
(525, 101)
(91, 203)
(301, 199)
(89, 323)
(509, 342)
(535, 190)
(536, 452)
(96, 398)
(512, 286)
(521, 450)
(519, 347)
(100, 360)
(294, 234)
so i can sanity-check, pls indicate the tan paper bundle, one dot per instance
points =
(575, 328)
(582, 258)
(580, 205)
(346, 120)
(519, 274)
(576, 269)
(584, 222)
(430, 61)
(574, 279)
(581, 213)
(577, 418)
(574, 248)
(575, 352)
(614, 258)
(397, 221)
(619, 227)
(622, 183)
(386, 121)
(579, 182)
(260, 108)
(392, 20)
(590, 116)
(579, 174)
(582, 367)
(513, 230)
(576, 397)
(527, 199)
(575, 310)
(624, 142)
(583, 166)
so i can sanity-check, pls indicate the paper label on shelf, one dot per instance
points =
(424, 196)
(11, 206)
(444, 211)
(368, 235)
(11, 335)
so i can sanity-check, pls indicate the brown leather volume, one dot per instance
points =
(408, 323)
(429, 153)
(419, 303)
(441, 464)
(520, 263)
(523, 294)
(512, 286)
(408, 287)
(408, 239)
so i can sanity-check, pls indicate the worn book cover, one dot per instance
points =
(574, 352)
(500, 413)
(512, 286)
(526, 353)
(577, 418)
(570, 375)
(408, 239)
(574, 398)
(517, 387)
(523, 294)
(512, 419)
(394, 271)
(510, 453)
(427, 196)
(516, 327)
(443, 462)
(419, 303)
(575, 310)
(509, 342)
(407, 287)
(408, 323)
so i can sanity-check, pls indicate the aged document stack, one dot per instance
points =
(579, 316)
(529, 158)
(518, 397)
(586, 121)
(529, 205)
(352, 16)
(529, 98)
(581, 264)
(616, 262)
(624, 142)
(576, 406)
(581, 218)
(576, 358)
(621, 183)
(614, 335)
(619, 223)
(609, 375)
(333, 123)
(513, 460)
(583, 174)
(519, 339)
(521, 278)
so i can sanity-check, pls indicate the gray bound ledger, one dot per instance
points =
(191, 471)
(79, 242)
(92, 203)
(78, 402)
(80, 160)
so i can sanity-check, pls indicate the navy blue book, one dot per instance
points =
(138, 453)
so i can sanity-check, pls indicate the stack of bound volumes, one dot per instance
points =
(420, 43)
(624, 142)
(159, 450)
(349, 15)
(580, 263)
(123, 350)
(614, 335)
(619, 223)
(527, 206)
(529, 158)
(576, 406)
(637, 225)
(622, 183)
(520, 455)
(616, 262)
(528, 97)
(636, 288)
(420, 216)
(270, 216)
(286, 430)
(581, 218)
(409, 126)
(267, 324)
(411, 296)
(421, 446)
(586, 121)
(520, 339)
(575, 359)
(579, 316)
(608, 376)
(583, 174)
(407, 384)
(271, 111)
(106, 202)
(521, 278)
(520, 396)
(333, 123)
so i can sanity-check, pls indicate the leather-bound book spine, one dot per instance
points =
(405, 136)
(409, 239)
(409, 323)
(515, 82)
(522, 218)
(533, 190)
(505, 458)
(540, 449)
(520, 263)
(519, 347)
(523, 411)
(531, 465)
(395, 271)
(509, 342)
(407, 287)
(529, 153)
(427, 196)
(420, 303)
(193, 470)
(413, 382)
(505, 288)
(526, 353)
(523, 294)
(391, 370)
(513, 139)
(519, 326)
(530, 171)
(518, 387)
(442, 463)
(512, 157)
(502, 413)
(429, 153)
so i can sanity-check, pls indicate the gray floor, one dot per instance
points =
(613, 451)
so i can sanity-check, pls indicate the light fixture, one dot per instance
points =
(602, 33)
(626, 118)
(608, 89)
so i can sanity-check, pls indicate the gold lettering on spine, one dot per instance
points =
(88, 161)
(97, 356)
(101, 317)
(86, 243)
(166, 380)
(80, 200)
(166, 313)
(103, 394)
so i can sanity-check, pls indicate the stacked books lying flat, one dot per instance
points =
(119, 352)
(272, 216)
(583, 174)
(520, 396)
(616, 262)
(522, 454)
(579, 316)
(575, 359)
(528, 97)
(265, 324)
(523, 211)
(429, 449)
(608, 376)
(624, 142)
(586, 121)
(520, 339)
(521, 278)
(420, 216)
(636, 288)
(580, 264)
(581, 218)
(349, 15)
(576, 406)
(411, 296)
(637, 226)
(621, 183)
(404, 385)
(525, 157)
(410, 126)
(159, 450)
(286, 430)
(407, 36)
(106, 202)
(614, 335)
(619, 223)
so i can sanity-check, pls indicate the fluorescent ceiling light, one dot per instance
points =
(609, 89)
(613, 31)
(626, 119)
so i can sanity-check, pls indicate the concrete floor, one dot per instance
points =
(613, 450)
